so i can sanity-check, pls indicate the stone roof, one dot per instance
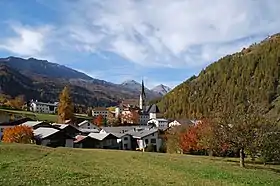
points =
(143, 133)
(32, 123)
(44, 132)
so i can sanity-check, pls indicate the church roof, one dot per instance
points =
(152, 109)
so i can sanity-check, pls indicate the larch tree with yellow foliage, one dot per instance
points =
(65, 106)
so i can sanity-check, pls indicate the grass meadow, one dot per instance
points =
(37, 165)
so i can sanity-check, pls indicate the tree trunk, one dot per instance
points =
(242, 157)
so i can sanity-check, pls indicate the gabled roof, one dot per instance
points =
(152, 109)
(32, 123)
(98, 136)
(44, 132)
(63, 126)
(89, 130)
(143, 133)
(122, 129)
(119, 135)
(86, 121)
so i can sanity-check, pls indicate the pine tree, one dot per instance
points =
(65, 107)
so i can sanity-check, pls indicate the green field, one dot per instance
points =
(36, 165)
(39, 116)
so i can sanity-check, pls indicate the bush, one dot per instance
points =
(18, 134)
(162, 148)
(150, 148)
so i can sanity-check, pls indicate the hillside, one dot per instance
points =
(35, 165)
(14, 83)
(42, 80)
(246, 79)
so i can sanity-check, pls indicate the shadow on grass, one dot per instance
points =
(253, 164)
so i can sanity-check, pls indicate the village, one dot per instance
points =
(133, 125)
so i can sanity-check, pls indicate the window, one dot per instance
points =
(125, 138)
(153, 140)
(2, 129)
(153, 134)
(88, 124)
(146, 141)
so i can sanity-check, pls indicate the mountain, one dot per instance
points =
(247, 80)
(43, 68)
(42, 80)
(137, 87)
(161, 89)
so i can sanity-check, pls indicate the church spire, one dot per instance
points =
(143, 90)
(142, 96)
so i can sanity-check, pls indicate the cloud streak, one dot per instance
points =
(167, 33)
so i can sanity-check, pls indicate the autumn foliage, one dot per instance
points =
(189, 140)
(131, 117)
(99, 120)
(18, 134)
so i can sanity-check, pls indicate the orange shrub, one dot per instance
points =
(18, 134)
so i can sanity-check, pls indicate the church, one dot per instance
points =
(142, 112)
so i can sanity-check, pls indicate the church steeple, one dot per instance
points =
(142, 96)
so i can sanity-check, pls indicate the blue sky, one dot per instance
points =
(162, 41)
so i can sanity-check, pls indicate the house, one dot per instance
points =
(100, 111)
(124, 141)
(146, 137)
(52, 137)
(160, 123)
(11, 124)
(152, 110)
(87, 125)
(180, 122)
(37, 124)
(97, 140)
(71, 130)
(42, 107)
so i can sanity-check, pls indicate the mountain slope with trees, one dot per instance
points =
(241, 81)
(42, 80)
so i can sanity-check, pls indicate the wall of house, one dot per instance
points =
(104, 113)
(45, 142)
(153, 139)
(126, 142)
(153, 115)
(42, 108)
(69, 143)
(143, 119)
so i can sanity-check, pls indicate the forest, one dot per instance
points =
(246, 82)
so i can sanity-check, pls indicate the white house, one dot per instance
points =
(41, 107)
(100, 111)
(148, 136)
(124, 140)
(160, 123)
(87, 125)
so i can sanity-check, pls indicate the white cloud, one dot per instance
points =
(167, 32)
(27, 41)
